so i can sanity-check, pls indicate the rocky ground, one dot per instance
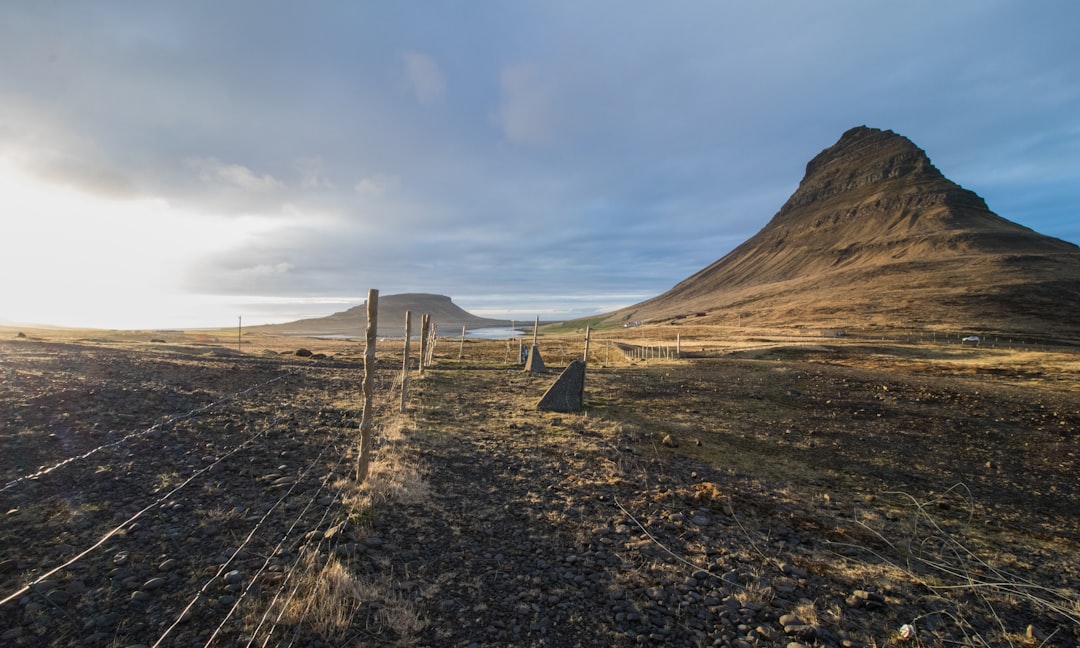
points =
(181, 494)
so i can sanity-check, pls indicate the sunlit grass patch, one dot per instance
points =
(329, 600)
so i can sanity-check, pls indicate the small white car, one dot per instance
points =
(971, 338)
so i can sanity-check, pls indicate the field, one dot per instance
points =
(763, 489)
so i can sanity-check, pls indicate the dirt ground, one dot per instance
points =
(759, 490)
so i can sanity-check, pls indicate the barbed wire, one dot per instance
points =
(82, 554)
(225, 565)
(157, 426)
(288, 532)
(292, 570)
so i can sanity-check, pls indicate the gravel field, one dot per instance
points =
(186, 494)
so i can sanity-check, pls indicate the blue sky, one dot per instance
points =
(179, 164)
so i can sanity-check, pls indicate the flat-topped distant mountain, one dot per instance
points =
(448, 316)
(876, 235)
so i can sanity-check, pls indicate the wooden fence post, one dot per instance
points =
(364, 459)
(432, 342)
(405, 363)
(425, 328)
(461, 347)
(588, 331)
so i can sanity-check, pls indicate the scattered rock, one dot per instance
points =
(866, 600)
(13, 633)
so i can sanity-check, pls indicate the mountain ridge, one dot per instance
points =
(352, 322)
(876, 233)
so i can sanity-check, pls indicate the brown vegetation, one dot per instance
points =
(875, 235)
(828, 474)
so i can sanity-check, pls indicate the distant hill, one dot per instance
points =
(447, 315)
(876, 235)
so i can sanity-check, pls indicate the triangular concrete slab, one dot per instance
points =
(535, 362)
(566, 394)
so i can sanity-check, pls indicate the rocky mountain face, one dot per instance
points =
(447, 315)
(875, 234)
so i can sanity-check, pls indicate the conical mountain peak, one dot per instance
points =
(866, 166)
(876, 232)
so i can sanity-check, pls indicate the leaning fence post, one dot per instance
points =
(405, 363)
(364, 458)
(425, 327)
(461, 347)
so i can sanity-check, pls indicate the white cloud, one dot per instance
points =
(213, 170)
(311, 173)
(526, 114)
(264, 270)
(377, 185)
(424, 76)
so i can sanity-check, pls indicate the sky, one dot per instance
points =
(186, 164)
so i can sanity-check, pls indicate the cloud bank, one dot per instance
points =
(535, 153)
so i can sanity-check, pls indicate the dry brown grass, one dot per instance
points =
(329, 599)
(392, 477)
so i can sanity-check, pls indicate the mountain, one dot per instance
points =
(876, 235)
(447, 315)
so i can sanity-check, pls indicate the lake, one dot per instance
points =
(493, 333)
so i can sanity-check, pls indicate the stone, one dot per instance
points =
(670, 441)
(801, 632)
(303, 353)
(866, 600)
(566, 393)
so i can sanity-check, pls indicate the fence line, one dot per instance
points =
(140, 433)
(250, 535)
(292, 527)
(289, 574)
(294, 568)
(649, 351)
(136, 516)
(265, 429)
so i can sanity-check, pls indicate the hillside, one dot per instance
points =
(876, 235)
(352, 322)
